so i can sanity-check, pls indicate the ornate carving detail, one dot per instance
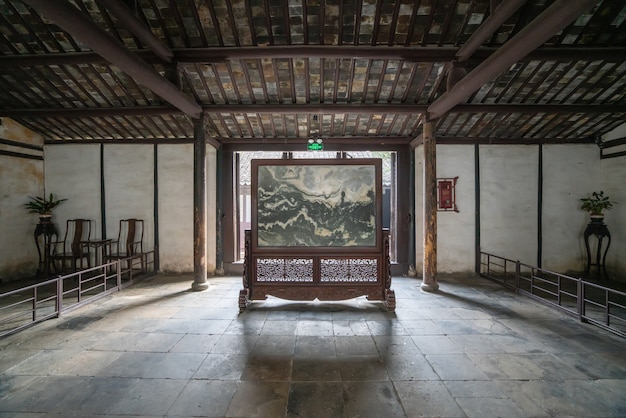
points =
(284, 269)
(387, 268)
(243, 299)
(246, 260)
(390, 300)
(349, 270)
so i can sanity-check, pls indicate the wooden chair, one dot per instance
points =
(74, 247)
(129, 243)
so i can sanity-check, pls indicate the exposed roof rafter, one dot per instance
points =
(76, 23)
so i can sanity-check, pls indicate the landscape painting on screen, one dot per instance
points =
(316, 205)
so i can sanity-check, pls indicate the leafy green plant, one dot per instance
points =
(42, 206)
(596, 203)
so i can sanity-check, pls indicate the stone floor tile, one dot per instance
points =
(427, 399)
(279, 327)
(137, 341)
(313, 327)
(436, 344)
(315, 399)
(324, 369)
(362, 369)
(158, 349)
(409, 367)
(259, 399)
(235, 344)
(222, 367)
(581, 398)
(195, 343)
(371, 399)
(455, 367)
(489, 408)
(388, 345)
(155, 365)
(314, 346)
(274, 345)
(475, 388)
(356, 346)
(268, 368)
(420, 327)
(147, 397)
(350, 327)
(539, 366)
(204, 398)
(245, 326)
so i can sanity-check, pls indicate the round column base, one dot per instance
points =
(198, 287)
(430, 287)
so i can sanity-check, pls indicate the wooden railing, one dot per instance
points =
(590, 302)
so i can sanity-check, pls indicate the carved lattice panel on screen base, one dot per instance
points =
(349, 270)
(284, 270)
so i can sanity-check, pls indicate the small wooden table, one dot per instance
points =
(599, 230)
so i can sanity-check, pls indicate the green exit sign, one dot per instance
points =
(315, 145)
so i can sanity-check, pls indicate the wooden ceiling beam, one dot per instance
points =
(128, 19)
(73, 21)
(327, 109)
(510, 141)
(499, 15)
(423, 54)
(556, 17)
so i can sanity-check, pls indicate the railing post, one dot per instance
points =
(118, 273)
(80, 287)
(606, 306)
(581, 299)
(34, 304)
(517, 276)
(59, 295)
(488, 265)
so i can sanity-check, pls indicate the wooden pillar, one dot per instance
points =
(199, 208)
(429, 282)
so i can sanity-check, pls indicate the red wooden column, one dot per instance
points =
(429, 282)
(199, 208)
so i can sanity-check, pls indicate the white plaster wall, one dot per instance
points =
(211, 207)
(72, 171)
(455, 231)
(509, 201)
(419, 210)
(614, 181)
(175, 171)
(570, 172)
(129, 187)
(19, 178)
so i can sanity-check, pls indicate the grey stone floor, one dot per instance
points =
(473, 349)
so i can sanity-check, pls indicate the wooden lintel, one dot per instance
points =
(323, 108)
(221, 54)
(417, 141)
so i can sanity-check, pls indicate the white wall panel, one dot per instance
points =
(614, 185)
(175, 171)
(129, 187)
(570, 172)
(19, 178)
(509, 201)
(456, 231)
(73, 172)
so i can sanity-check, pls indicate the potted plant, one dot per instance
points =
(596, 204)
(43, 206)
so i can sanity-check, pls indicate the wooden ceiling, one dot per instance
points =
(265, 71)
